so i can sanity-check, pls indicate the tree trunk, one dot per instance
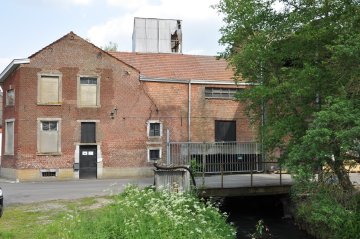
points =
(343, 176)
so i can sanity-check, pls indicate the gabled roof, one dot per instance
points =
(178, 66)
(72, 34)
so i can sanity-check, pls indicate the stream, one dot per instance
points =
(245, 212)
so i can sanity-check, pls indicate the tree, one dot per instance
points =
(111, 46)
(297, 56)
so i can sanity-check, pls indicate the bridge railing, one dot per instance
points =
(225, 158)
(210, 157)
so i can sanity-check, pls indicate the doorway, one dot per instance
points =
(88, 162)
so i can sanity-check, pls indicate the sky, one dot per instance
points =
(29, 25)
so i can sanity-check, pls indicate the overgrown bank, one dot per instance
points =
(144, 213)
(326, 211)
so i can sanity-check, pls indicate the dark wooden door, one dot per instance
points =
(88, 161)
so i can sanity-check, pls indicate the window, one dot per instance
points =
(48, 136)
(220, 93)
(154, 154)
(9, 137)
(88, 92)
(154, 129)
(10, 97)
(49, 89)
(225, 130)
(88, 132)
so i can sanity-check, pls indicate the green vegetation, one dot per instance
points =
(327, 211)
(304, 59)
(136, 213)
(144, 213)
(24, 221)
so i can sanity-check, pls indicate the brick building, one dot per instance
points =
(72, 110)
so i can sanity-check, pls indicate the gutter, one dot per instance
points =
(12, 67)
(201, 82)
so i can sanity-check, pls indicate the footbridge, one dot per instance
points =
(223, 169)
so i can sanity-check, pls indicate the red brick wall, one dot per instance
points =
(123, 139)
(172, 102)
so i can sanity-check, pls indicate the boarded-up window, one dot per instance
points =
(49, 90)
(88, 91)
(49, 137)
(10, 97)
(225, 130)
(9, 137)
(88, 132)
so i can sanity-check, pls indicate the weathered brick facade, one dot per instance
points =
(126, 105)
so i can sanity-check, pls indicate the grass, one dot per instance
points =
(24, 221)
(136, 213)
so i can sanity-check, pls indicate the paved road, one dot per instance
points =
(29, 192)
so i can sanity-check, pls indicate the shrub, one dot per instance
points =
(145, 213)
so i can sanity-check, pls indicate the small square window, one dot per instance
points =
(154, 129)
(154, 154)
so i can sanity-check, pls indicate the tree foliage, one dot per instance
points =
(298, 55)
(111, 46)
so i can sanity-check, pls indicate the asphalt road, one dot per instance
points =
(29, 192)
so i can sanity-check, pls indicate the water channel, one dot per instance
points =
(245, 212)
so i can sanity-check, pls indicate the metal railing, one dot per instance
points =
(230, 157)
(225, 158)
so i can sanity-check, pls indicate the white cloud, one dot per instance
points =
(119, 29)
(133, 4)
(69, 2)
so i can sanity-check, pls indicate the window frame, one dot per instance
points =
(7, 101)
(6, 148)
(149, 123)
(225, 93)
(223, 122)
(153, 148)
(79, 105)
(52, 75)
(39, 135)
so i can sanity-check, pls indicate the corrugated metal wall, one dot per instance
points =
(153, 35)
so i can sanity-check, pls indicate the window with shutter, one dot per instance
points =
(88, 92)
(49, 136)
(9, 137)
(49, 90)
(10, 97)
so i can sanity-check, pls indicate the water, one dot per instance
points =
(245, 212)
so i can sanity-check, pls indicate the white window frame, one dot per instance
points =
(153, 148)
(40, 129)
(154, 122)
(97, 91)
(7, 139)
(59, 76)
(7, 102)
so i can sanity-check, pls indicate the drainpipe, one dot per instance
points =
(189, 111)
